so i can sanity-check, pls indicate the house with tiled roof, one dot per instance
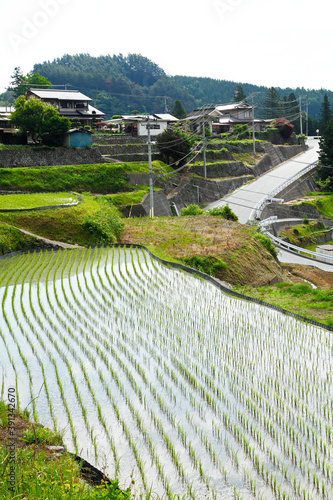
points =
(223, 117)
(70, 103)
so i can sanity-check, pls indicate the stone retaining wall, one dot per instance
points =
(117, 139)
(218, 170)
(60, 156)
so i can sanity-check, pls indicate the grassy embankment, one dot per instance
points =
(30, 469)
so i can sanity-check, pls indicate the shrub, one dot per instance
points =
(267, 243)
(106, 225)
(306, 221)
(208, 265)
(43, 435)
(191, 210)
(225, 212)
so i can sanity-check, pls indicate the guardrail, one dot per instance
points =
(270, 197)
(327, 259)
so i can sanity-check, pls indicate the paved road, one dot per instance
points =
(244, 200)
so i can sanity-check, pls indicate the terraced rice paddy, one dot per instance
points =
(159, 377)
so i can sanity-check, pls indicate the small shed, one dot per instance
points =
(78, 138)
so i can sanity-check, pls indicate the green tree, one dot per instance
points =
(325, 114)
(272, 107)
(39, 120)
(20, 84)
(239, 94)
(174, 146)
(178, 110)
(325, 171)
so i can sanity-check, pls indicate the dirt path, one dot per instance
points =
(56, 244)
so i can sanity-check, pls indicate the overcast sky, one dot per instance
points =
(282, 43)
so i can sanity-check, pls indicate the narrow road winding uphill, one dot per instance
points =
(244, 200)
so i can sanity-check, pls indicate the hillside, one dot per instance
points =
(120, 84)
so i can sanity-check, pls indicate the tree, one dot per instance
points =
(39, 120)
(325, 113)
(272, 104)
(20, 84)
(178, 110)
(239, 94)
(175, 146)
(325, 172)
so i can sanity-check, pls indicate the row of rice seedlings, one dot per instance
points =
(12, 332)
(59, 351)
(297, 421)
(131, 378)
(75, 356)
(8, 275)
(274, 431)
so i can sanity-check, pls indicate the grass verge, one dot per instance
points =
(299, 298)
(30, 469)
(12, 240)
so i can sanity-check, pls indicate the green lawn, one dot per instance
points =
(28, 201)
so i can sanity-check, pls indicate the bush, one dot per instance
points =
(267, 243)
(208, 265)
(306, 221)
(225, 212)
(106, 225)
(191, 210)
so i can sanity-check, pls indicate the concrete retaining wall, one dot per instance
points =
(161, 207)
(201, 191)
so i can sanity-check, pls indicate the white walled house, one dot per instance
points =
(137, 125)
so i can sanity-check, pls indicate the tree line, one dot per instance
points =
(119, 84)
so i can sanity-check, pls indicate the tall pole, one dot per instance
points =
(300, 115)
(307, 119)
(151, 192)
(204, 146)
(253, 132)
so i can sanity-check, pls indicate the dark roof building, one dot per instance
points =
(69, 103)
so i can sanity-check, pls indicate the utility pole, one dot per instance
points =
(253, 132)
(307, 120)
(300, 115)
(204, 146)
(151, 192)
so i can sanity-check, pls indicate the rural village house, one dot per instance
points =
(69, 103)
(223, 117)
(136, 125)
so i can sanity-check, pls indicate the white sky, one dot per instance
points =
(282, 43)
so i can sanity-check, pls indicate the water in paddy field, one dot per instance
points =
(159, 377)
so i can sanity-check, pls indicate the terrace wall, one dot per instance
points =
(10, 158)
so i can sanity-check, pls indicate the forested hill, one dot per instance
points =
(120, 84)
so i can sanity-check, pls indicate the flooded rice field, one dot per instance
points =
(158, 378)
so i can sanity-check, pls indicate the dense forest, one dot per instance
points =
(121, 84)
